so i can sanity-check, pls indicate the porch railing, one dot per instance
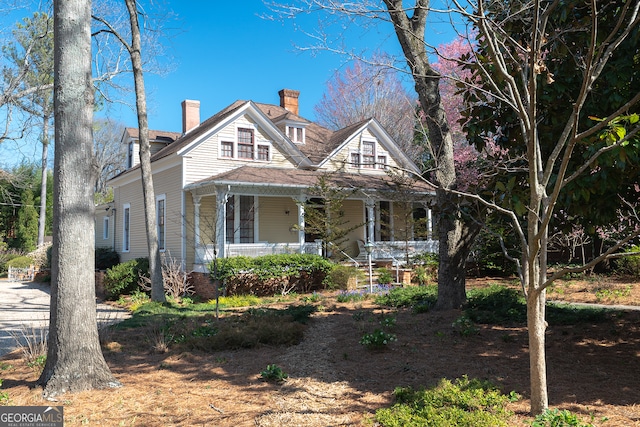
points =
(205, 253)
(381, 251)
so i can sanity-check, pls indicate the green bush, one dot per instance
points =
(419, 298)
(123, 278)
(340, 275)
(272, 274)
(463, 402)
(496, 305)
(106, 258)
(556, 418)
(629, 264)
(22, 261)
(6, 256)
(384, 276)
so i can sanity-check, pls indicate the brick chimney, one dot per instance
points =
(289, 100)
(190, 115)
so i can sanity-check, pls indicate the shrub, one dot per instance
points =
(496, 305)
(556, 418)
(419, 298)
(6, 256)
(384, 276)
(22, 261)
(629, 264)
(340, 275)
(463, 402)
(271, 274)
(123, 278)
(106, 258)
(274, 373)
(378, 339)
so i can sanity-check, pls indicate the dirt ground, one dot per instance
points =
(593, 370)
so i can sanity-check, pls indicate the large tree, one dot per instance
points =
(541, 72)
(134, 48)
(456, 231)
(31, 57)
(74, 357)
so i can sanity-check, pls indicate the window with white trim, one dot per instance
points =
(245, 143)
(296, 133)
(130, 155)
(126, 227)
(241, 219)
(368, 154)
(263, 152)
(161, 217)
(245, 147)
(382, 162)
(226, 149)
(105, 228)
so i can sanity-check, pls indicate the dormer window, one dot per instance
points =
(296, 133)
(130, 155)
(368, 157)
(245, 147)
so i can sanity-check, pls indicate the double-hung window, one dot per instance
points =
(240, 219)
(161, 221)
(227, 149)
(105, 228)
(368, 154)
(245, 143)
(126, 228)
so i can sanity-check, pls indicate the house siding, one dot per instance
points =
(100, 215)
(166, 182)
(342, 159)
(275, 223)
(200, 161)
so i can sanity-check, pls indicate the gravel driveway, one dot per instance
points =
(24, 306)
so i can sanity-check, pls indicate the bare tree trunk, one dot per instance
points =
(155, 266)
(74, 358)
(537, 363)
(453, 247)
(42, 220)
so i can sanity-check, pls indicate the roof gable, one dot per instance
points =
(341, 138)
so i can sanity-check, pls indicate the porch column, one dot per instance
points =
(370, 220)
(196, 223)
(429, 225)
(221, 216)
(301, 236)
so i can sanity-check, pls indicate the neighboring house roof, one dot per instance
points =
(155, 135)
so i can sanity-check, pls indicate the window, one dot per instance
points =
(130, 156)
(226, 149)
(160, 220)
(105, 228)
(295, 133)
(382, 162)
(355, 160)
(263, 152)
(368, 154)
(240, 219)
(245, 143)
(126, 231)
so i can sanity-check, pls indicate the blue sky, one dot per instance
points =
(224, 51)
(228, 52)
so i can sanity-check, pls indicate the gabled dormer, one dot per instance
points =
(157, 140)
